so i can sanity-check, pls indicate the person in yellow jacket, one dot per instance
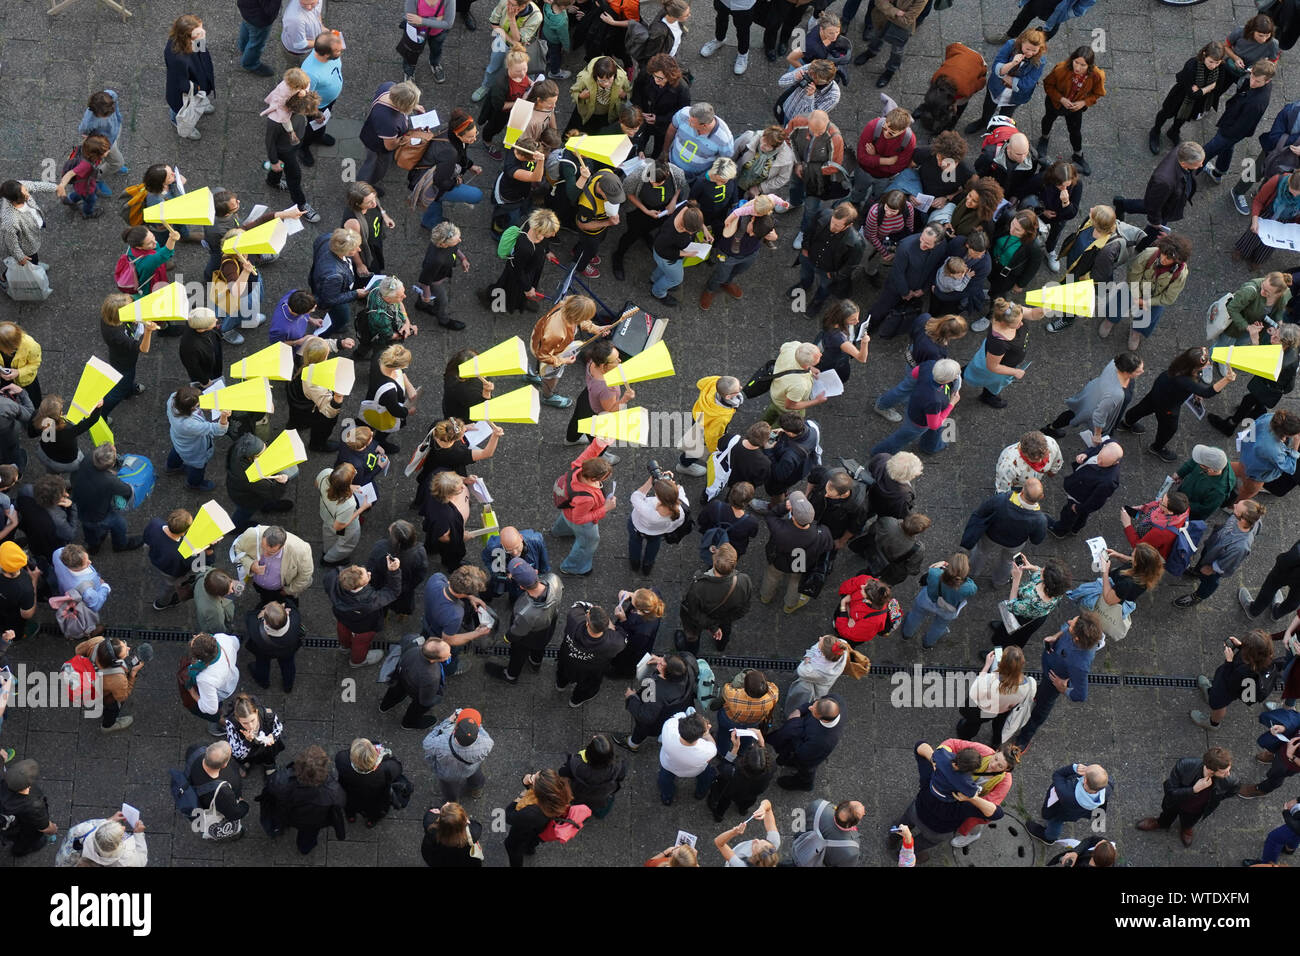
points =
(20, 360)
(720, 396)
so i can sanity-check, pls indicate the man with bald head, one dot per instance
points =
(207, 769)
(1079, 791)
(497, 553)
(805, 740)
(1013, 165)
(816, 143)
(1088, 488)
(1001, 526)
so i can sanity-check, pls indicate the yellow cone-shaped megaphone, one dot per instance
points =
(251, 396)
(610, 150)
(168, 304)
(191, 209)
(336, 374)
(520, 115)
(654, 362)
(505, 358)
(101, 434)
(210, 525)
(274, 362)
(97, 380)
(628, 425)
(1070, 298)
(1262, 360)
(267, 240)
(286, 451)
(523, 406)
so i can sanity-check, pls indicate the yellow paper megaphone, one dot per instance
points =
(251, 396)
(97, 380)
(101, 434)
(267, 240)
(654, 362)
(611, 150)
(629, 425)
(191, 209)
(1262, 360)
(490, 519)
(336, 374)
(210, 525)
(520, 116)
(274, 362)
(1070, 298)
(168, 304)
(286, 451)
(505, 358)
(523, 406)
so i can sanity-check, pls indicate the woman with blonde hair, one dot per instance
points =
(683, 854)
(57, 447)
(381, 133)
(451, 838)
(637, 618)
(764, 852)
(1000, 688)
(997, 363)
(21, 355)
(391, 397)
(342, 504)
(546, 798)
(552, 340)
(124, 349)
(516, 288)
(367, 772)
(445, 510)
(200, 348)
(1091, 252)
(235, 293)
(313, 407)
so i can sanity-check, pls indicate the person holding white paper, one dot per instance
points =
(282, 149)
(842, 343)
(341, 507)
(671, 248)
(105, 842)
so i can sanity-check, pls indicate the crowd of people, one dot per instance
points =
(936, 237)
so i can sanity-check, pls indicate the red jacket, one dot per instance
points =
(1162, 539)
(900, 146)
(864, 621)
(588, 505)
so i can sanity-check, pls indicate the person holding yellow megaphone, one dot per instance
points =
(192, 437)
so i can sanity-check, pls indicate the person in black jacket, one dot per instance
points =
(1013, 165)
(1172, 388)
(546, 797)
(274, 633)
(839, 503)
(891, 493)
(359, 608)
(421, 677)
(793, 456)
(589, 644)
(258, 17)
(831, 248)
(207, 767)
(188, 62)
(668, 689)
(715, 599)
(796, 543)
(659, 91)
(806, 739)
(94, 486)
(25, 808)
(916, 260)
(451, 837)
(595, 775)
(249, 496)
(742, 778)
(200, 348)
(1080, 790)
(366, 773)
(282, 149)
(749, 459)
(1096, 851)
(1196, 90)
(1285, 573)
(1240, 118)
(1263, 394)
(306, 797)
(1017, 253)
(1169, 191)
(1194, 790)
(403, 543)
(1094, 479)
(1000, 526)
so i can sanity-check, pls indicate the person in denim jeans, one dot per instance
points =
(685, 751)
(670, 251)
(82, 177)
(948, 582)
(579, 517)
(258, 17)
(737, 249)
(192, 436)
(933, 399)
(95, 487)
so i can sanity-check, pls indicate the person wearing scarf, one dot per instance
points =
(993, 780)
(1078, 792)
(1278, 199)
(1156, 523)
(1197, 87)
(1034, 456)
(1158, 275)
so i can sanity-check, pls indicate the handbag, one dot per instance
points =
(411, 147)
(858, 665)
(187, 117)
(29, 283)
(211, 824)
(682, 530)
(1217, 318)
(562, 831)
(408, 49)
(227, 297)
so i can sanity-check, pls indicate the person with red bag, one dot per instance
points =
(546, 798)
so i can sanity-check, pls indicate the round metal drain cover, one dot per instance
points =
(1003, 842)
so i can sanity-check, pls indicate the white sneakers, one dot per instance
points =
(742, 63)
(254, 322)
(694, 471)
(1054, 262)
(968, 839)
(798, 241)
(710, 48)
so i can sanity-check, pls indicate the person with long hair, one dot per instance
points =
(1015, 72)
(447, 165)
(285, 170)
(451, 838)
(1264, 393)
(1240, 677)
(948, 587)
(516, 288)
(305, 796)
(253, 732)
(652, 518)
(445, 511)
(1035, 592)
(1000, 688)
(57, 446)
(1172, 389)
(596, 774)
(148, 260)
(670, 250)
(459, 395)
(341, 508)
(1072, 87)
(391, 397)
(545, 799)
(1114, 595)
(1058, 203)
(997, 363)
(976, 207)
(836, 340)
(600, 357)
(552, 341)
(637, 618)
(189, 63)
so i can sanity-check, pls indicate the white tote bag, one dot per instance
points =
(29, 283)
(187, 117)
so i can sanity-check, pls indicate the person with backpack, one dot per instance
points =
(806, 739)
(796, 544)
(595, 774)
(532, 618)
(1246, 674)
(523, 249)
(582, 504)
(455, 750)
(95, 486)
(831, 837)
(666, 686)
(209, 676)
(116, 668)
(213, 783)
(885, 148)
(81, 173)
(726, 520)
(143, 267)
(305, 796)
(818, 148)
(1015, 73)
(794, 456)
(368, 773)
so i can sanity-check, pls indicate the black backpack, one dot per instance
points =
(760, 383)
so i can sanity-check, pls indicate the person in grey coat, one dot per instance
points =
(1102, 401)
(455, 750)
(1227, 547)
(532, 619)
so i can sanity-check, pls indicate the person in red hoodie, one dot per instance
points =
(1156, 523)
(582, 503)
(884, 150)
(867, 609)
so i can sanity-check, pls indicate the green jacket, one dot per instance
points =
(618, 93)
(1247, 307)
(1205, 493)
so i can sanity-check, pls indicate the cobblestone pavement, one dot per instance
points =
(51, 65)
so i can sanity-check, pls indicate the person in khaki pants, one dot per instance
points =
(795, 544)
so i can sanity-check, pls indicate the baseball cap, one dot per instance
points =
(801, 510)
(522, 573)
(467, 725)
(12, 557)
(1216, 459)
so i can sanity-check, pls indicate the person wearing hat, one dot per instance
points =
(595, 210)
(274, 633)
(420, 675)
(24, 805)
(532, 619)
(17, 591)
(796, 544)
(104, 842)
(1206, 480)
(456, 749)
(937, 392)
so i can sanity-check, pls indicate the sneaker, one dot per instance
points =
(120, 724)
(206, 486)
(692, 471)
(1241, 203)
(309, 214)
(532, 378)
(1039, 832)
(493, 151)
(1186, 601)
(1243, 596)
(968, 839)
(667, 299)
(254, 322)
(594, 260)
(217, 729)
(742, 63)
(791, 608)
(233, 337)
(102, 189)
(1216, 177)
(560, 74)
(1058, 324)
(888, 414)
(591, 272)
(477, 95)
(610, 457)
(193, 134)
(798, 241)
(1202, 720)
(175, 599)
(980, 324)
(1164, 454)
(372, 657)
(625, 741)
(439, 74)
(710, 48)
(260, 70)
(1054, 262)
(558, 401)
(464, 664)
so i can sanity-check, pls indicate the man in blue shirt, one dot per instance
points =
(512, 543)
(1067, 661)
(1078, 792)
(448, 601)
(696, 137)
(325, 68)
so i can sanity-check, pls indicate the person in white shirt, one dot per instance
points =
(685, 749)
(652, 517)
(213, 676)
(301, 25)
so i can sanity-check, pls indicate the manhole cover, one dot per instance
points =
(1004, 842)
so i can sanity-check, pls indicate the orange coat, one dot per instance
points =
(965, 67)
(1057, 84)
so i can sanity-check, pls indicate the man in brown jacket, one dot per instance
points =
(892, 23)
(117, 670)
